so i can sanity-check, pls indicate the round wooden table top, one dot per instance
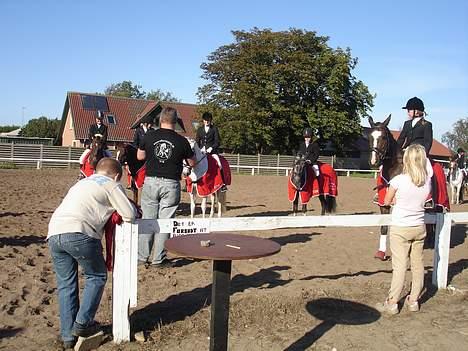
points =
(223, 246)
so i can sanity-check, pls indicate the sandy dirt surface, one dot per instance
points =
(318, 293)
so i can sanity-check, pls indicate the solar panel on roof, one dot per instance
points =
(100, 103)
(87, 101)
(92, 102)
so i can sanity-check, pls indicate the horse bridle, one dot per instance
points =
(383, 154)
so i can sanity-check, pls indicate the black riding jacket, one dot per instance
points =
(421, 134)
(208, 139)
(311, 152)
(95, 129)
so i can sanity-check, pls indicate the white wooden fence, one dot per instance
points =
(126, 247)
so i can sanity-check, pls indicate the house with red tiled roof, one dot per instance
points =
(121, 114)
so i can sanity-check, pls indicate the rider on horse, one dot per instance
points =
(98, 129)
(310, 148)
(208, 140)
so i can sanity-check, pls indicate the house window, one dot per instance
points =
(111, 119)
(71, 123)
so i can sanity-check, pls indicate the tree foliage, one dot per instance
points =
(458, 137)
(126, 88)
(267, 86)
(6, 129)
(41, 127)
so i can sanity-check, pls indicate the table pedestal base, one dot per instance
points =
(220, 293)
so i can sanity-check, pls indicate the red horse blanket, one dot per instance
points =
(138, 178)
(212, 180)
(85, 168)
(439, 191)
(325, 184)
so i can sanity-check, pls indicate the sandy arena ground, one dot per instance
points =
(316, 294)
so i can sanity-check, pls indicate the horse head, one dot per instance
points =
(298, 175)
(201, 162)
(381, 141)
(97, 151)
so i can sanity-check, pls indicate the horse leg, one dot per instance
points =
(304, 209)
(323, 204)
(203, 206)
(219, 202)
(192, 204)
(381, 252)
(295, 203)
(213, 204)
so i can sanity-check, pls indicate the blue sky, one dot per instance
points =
(405, 48)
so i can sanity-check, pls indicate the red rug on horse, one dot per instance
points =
(325, 184)
(211, 181)
(138, 178)
(439, 190)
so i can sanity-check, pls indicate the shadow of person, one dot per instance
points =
(293, 238)
(331, 312)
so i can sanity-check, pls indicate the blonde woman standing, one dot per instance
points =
(407, 192)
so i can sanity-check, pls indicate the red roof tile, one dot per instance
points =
(126, 111)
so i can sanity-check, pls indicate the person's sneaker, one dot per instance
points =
(224, 189)
(164, 264)
(387, 307)
(411, 306)
(91, 342)
(380, 255)
(85, 331)
(68, 345)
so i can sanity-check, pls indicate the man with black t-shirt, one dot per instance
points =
(164, 150)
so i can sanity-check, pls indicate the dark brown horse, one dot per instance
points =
(127, 156)
(387, 154)
(300, 178)
(91, 157)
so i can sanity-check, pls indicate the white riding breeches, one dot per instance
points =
(216, 157)
(316, 170)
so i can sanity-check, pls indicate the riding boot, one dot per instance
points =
(224, 187)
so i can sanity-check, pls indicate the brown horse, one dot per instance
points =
(91, 157)
(127, 156)
(387, 154)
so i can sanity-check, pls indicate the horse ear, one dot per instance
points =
(371, 121)
(387, 121)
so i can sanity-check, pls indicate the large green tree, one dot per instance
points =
(126, 88)
(42, 127)
(458, 137)
(267, 86)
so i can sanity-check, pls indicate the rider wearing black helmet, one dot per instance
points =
(208, 140)
(310, 149)
(416, 130)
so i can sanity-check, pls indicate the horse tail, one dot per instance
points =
(331, 204)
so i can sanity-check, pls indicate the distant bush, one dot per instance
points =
(7, 165)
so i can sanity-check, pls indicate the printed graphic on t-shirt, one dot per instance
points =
(163, 150)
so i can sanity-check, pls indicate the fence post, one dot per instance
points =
(238, 163)
(258, 164)
(333, 161)
(12, 152)
(277, 165)
(69, 157)
(441, 250)
(41, 156)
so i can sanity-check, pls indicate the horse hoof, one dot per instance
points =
(380, 255)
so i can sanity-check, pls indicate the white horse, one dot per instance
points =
(455, 177)
(195, 174)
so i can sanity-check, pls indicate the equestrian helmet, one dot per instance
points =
(207, 116)
(414, 103)
(307, 133)
(460, 150)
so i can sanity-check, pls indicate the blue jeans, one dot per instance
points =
(69, 250)
(159, 199)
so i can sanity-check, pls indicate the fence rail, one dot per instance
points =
(35, 155)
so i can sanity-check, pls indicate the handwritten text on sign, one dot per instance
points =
(189, 226)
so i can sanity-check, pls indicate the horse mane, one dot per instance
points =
(97, 151)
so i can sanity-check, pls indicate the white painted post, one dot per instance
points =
(441, 250)
(253, 170)
(124, 279)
